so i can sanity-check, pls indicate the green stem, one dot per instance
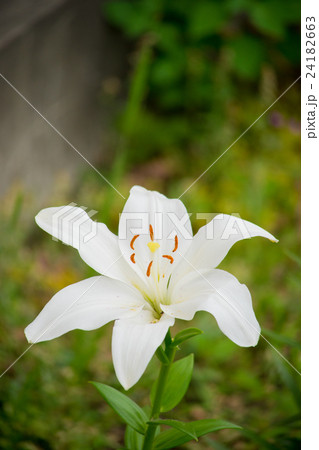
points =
(160, 387)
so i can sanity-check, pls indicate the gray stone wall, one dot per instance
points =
(57, 54)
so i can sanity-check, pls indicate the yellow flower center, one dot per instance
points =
(153, 246)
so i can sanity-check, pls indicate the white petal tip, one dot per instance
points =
(137, 188)
(247, 344)
(127, 386)
(44, 219)
(29, 339)
(41, 217)
(275, 241)
(126, 383)
(254, 341)
(31, 336)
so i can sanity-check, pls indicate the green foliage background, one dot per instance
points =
(200, 73)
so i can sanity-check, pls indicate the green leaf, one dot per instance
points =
(206, 19)
(186, 334)
(179, 377)
(247, 54)
(173, 438)
(169, 37)
(186, 428)
(132, 20)
(168, 69)
(133, 439)
(269, 18)
(128, 410)
(162, 355)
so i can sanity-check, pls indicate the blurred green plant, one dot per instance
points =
(193, 62)
(196, 44)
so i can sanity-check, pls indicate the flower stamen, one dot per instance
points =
(132, 258)
(133, 240)
(148, 272)
(151, 233)
(170, 258)
(176, 244)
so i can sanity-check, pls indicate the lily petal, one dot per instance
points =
(213, 241)
(85, 305)
(97, 245)
(219, 293)
(134, 342)
(153, 217)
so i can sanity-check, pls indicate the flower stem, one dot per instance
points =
(160, 387)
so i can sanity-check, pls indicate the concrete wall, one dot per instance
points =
(56, 53)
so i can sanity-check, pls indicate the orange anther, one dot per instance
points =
(171, 259)
(176, 244)
(133, 240)
(148, 272)
(132, 258)
(151, 233)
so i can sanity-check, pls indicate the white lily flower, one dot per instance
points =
(149, 278)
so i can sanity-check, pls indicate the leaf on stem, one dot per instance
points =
(133, 439)
(179, 377)
(173, 438)
(128, 410)
(161, 355)
(186, 334)
(184, 427)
